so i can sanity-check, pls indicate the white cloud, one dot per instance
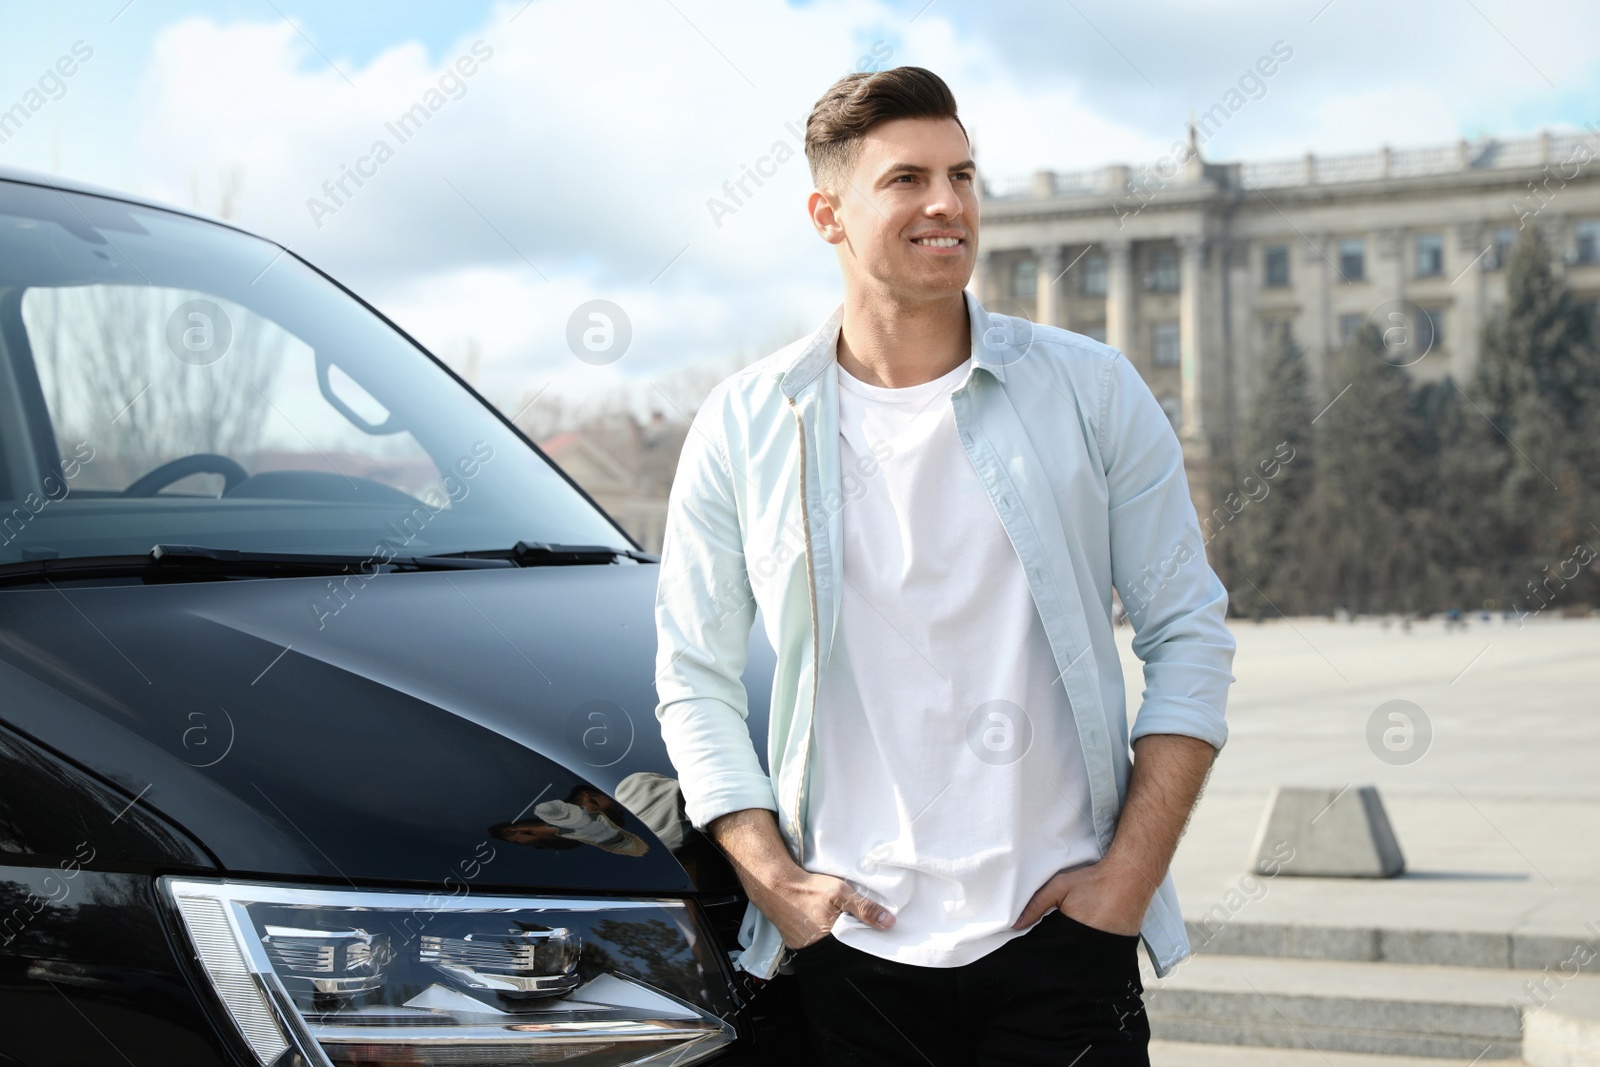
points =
(560, 174)
(577, 161)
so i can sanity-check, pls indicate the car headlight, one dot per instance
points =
(329, 978)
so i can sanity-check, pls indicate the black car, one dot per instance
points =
(327, 727)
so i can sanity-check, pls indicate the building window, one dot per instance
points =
(1277, 265)
(1024, 280)
(1430, 255)
(1174, 409)
(1165, 346)
(1349, 326)
(1499, 253)
(1589, 241)
(1353, 259)
(1094, 274)
(1163, 276)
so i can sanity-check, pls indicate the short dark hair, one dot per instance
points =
(856, 103)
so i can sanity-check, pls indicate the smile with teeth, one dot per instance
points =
(937, 242)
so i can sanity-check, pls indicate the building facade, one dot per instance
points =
(1196, 270)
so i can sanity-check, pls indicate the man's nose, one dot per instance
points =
(946, 201)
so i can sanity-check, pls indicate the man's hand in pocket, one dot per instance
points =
(805, 906)
(802, 905)
(1104, 896)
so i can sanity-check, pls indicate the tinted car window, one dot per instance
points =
(294, 419)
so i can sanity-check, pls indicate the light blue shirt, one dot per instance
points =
(1087, 477)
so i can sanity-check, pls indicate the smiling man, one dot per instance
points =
(954, 853)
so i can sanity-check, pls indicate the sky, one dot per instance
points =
(576, 147)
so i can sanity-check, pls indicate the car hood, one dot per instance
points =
(377, 729)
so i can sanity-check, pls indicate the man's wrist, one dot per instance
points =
(750, 838)
(1128, 876)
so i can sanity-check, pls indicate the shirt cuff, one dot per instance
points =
(1174, 715)
(731, 791)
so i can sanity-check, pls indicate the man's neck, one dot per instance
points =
(895, 344)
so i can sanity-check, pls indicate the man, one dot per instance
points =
(931, 505)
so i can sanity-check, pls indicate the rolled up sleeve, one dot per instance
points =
(1176, 603)
(704, 611)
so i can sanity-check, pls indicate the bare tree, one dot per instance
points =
(114, 381)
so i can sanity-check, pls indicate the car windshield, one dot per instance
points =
(166, 380)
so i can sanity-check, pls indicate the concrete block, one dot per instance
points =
(1557, 1039)
(1335, 833)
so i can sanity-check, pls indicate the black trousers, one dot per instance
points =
(1063, 994)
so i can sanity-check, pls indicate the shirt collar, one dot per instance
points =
(993, 343)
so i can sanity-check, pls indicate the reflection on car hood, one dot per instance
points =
(377, 728)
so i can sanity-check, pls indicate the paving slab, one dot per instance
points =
(1194, 1055)
(1189, 1054)
(1496, 807)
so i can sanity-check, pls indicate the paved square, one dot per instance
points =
(1499, 819)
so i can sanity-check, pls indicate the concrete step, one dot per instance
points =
(1527, 950)
(1556, 1038)
(1396, 1009)
(1188, 1054)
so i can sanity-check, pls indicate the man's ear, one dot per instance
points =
(823, 206)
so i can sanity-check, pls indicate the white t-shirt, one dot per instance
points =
(948, 782)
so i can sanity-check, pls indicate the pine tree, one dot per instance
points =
(1464, 529)
(1360, 549)
(1538, 383)
(1275, 480)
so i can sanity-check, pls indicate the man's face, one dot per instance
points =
(914, 180)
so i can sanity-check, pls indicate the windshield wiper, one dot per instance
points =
(548, 554)
(200, 557)
(196, 561)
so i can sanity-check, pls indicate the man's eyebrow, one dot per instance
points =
(917, 168)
